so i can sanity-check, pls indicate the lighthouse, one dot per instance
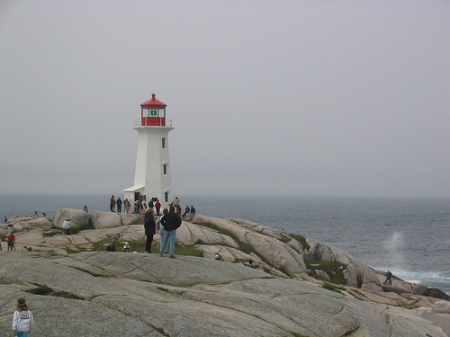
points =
(152, 179)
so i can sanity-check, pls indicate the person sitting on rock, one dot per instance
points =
(250, 264)
(126, 248)
(111, 247)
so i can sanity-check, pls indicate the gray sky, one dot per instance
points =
(332, 98)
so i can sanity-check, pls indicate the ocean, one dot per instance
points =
(408, 236)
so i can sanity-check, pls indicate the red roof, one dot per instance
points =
(153, 103)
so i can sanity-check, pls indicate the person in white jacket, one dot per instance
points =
(23, 320)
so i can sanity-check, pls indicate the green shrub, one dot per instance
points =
(334, 270)
(300, 239)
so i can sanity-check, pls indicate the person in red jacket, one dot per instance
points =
(157, 206)
(11, 241)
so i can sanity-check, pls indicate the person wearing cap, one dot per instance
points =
(23, 320)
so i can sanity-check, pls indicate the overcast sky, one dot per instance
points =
(311, 98)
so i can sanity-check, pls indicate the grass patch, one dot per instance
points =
(332, 287)
(334, 270)
(101, 245)
(188, 251)
(139, 246)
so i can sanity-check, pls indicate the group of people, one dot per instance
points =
(113, 203)
(168, 224)
(141, 206)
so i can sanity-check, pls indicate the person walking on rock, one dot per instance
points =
(23, 320)
(150, 228)
(171, 223)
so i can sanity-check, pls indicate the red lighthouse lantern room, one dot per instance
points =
(153, 113)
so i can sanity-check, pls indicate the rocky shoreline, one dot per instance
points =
(301, 287)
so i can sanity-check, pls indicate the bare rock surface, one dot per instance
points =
(74, 294)
(146, 295)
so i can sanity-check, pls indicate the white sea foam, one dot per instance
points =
(394, 248)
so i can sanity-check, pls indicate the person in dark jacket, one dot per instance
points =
(111, 247)
(171, 222)
(150, 228)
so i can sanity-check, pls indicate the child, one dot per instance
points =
(23, 320)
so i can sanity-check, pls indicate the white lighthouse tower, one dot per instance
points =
(152, 179)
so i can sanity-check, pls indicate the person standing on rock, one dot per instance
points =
(191, 216)
(11, 241)
(23, 320)
(150, 228)
(127, 205)
(171, 223)
(161, 227)
(143, 207)
(158, 207)
(66, 226)
(112, 203)
(136, 206)
(119, 205)
(388, 277)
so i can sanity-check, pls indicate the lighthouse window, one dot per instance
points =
(161, 113)
(163, 143)
(165, 168)
(154, 113)
(166, 196)
(144, 112)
